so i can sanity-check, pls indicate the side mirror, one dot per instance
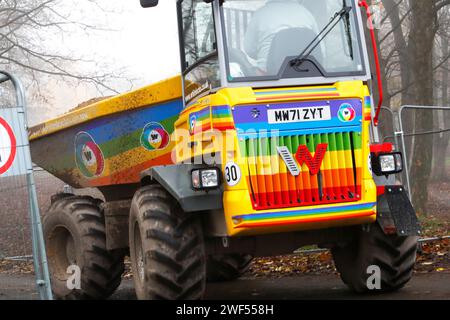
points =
(149, 3)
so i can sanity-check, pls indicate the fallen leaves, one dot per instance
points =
(16, 267)
(280, 266)
(434, 256)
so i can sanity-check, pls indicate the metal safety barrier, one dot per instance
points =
(15, 161)
(399, 135)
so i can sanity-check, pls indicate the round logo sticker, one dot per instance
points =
(346, 113)
(7, 146)
(192, 122)
(88, 156)
(154, 137)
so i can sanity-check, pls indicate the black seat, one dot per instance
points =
(290, 43)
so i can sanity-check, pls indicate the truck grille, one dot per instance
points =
(272, 185)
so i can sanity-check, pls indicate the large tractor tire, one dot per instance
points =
(166, 247)
(227, 267)
(74, 231)
(394, 255)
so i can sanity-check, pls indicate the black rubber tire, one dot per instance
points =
(167, 249)
(74, 231)
(228, 267)
(394, 255)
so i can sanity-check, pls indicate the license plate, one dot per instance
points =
(293, 115)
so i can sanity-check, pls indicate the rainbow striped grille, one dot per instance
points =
(272, 185)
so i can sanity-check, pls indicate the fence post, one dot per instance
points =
(38, 243)
(402, 137)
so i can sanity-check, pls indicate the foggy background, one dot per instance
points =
(136, 46)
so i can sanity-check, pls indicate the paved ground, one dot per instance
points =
(422, 287)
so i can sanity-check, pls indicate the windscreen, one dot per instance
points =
(263, 37)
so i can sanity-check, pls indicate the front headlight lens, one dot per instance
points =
(205, 178)
(210, 178)
(387, 163)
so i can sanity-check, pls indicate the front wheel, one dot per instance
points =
(75, 236)
(166, 248)
(395, 256)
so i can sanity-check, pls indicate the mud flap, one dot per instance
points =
(396, 213)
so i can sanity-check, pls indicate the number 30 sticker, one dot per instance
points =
(232, 174)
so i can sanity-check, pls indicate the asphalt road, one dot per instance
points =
(434, 286)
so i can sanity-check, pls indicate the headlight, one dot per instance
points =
(205, 178)
(387, 163)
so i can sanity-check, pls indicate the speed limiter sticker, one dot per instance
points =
(7, 146)
(232, 174)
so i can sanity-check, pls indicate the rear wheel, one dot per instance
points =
(74, 231)
(227, 267)
(395, 257)
(166, 248)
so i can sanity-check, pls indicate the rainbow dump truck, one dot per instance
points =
(265, 143)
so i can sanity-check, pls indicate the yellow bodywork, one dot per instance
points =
(237, 201)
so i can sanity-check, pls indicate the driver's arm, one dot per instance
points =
(251, 38)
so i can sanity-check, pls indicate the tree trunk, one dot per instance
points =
(393, 12)
(420, 46)
(405, 62)
(442, 140)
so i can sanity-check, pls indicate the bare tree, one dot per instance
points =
(27, 29)
(441, 141)
(411, 33)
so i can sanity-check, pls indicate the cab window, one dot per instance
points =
(199, 50)
(198, 31)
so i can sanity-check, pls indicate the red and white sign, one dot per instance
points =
(7, 146)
